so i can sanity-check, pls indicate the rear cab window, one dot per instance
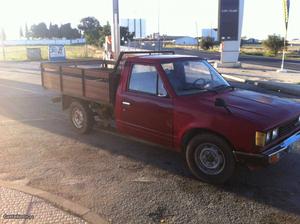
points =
(145, 79)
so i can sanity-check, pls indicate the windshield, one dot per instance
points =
(193, 76)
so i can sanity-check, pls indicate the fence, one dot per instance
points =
(44, 42)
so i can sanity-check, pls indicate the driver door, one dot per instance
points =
(147, 109)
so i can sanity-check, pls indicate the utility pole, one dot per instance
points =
(116, 30)
(158, 24)
(3, 50)
(3, 37)
(197, 33)
(286, 9)
(283, 54)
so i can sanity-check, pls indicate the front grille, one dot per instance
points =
(288, 127)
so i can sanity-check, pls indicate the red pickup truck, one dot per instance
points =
(181, 103)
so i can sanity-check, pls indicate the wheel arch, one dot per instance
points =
(189, 134)
(67, 101)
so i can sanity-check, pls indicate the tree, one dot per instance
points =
(274, 43)
(39, 31)
(68, 32)
(207, 43)
(21, 32)
(91, 28)
(105, 31)
(125, 35)
(54, 31)
(95, 34)
(27, 34)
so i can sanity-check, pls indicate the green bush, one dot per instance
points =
(207, 43)
(273, 44)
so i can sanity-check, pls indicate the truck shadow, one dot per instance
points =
(277, 186)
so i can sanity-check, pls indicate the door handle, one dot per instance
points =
(126, 103)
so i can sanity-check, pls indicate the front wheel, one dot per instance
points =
(210, 158)
(81, 117)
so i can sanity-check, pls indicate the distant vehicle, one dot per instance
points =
(181, 103)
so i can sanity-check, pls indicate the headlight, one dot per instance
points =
(268, 137)
(260, 139)
(274, 133)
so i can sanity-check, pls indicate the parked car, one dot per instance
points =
(179, 102)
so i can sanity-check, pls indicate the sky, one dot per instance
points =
(261, 17)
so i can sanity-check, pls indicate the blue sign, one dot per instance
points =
(57, 53)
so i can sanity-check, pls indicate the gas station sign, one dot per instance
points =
(229, 20)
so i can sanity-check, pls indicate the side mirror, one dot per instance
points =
(220, 103)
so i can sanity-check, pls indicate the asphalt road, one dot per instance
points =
(123, 180)
(257, 60)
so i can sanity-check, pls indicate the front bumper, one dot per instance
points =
(272, 155)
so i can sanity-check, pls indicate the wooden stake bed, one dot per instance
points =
(89, 80)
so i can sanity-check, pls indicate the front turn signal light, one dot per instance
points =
(260, 139)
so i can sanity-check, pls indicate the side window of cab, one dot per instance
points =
(145, 79)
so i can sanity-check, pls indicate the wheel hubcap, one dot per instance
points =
(78, 118)
(209, 159)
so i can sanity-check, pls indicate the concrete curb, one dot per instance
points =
(291, 89)
(64, 204)
(233, 78)
(287, 88)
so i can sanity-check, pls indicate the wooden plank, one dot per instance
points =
(97, 97)
(51, 81)
(71, 71)
(96, 84)
(52, 74)
(73, 90)
(71, 79)
(72, 85)
(97, 90)
(83, 81)
(103, 73)
(51, 67)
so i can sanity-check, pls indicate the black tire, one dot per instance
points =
(214, 151)
(86, 117)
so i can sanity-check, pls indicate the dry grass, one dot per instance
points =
(18, 53)
(257, 50)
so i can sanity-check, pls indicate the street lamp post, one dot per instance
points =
(286, 8)
(3, 50)
(158, 25)
(116, 29)
(2, 37)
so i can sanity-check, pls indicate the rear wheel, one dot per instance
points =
(81, 117)
(210, 158)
